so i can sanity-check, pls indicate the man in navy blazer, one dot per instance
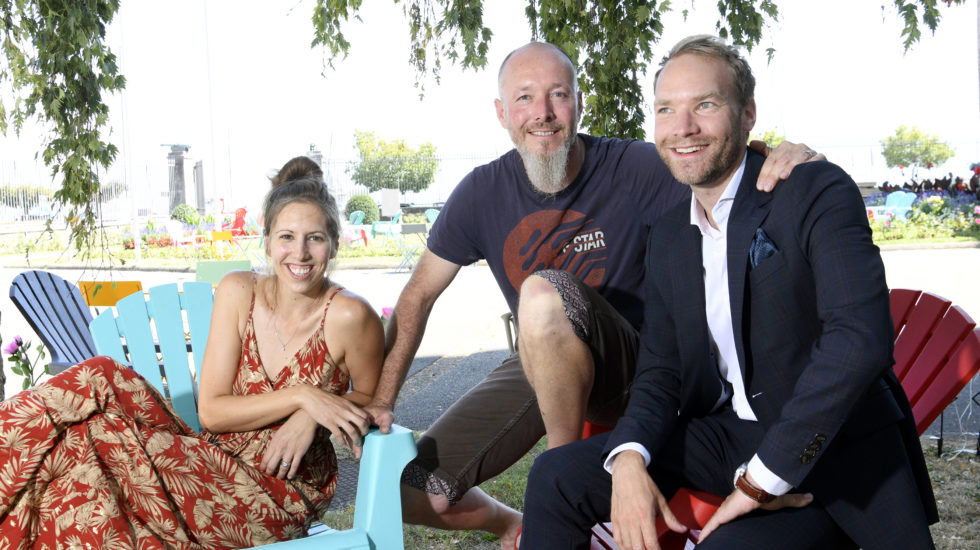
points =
(765, 367)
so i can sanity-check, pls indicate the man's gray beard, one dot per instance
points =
(547, 172)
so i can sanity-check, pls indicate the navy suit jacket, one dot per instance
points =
(814, 336)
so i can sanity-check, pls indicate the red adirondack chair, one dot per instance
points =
(937, 353)
(237, 227)
(692, 508)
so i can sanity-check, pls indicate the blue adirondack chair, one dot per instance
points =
(898, 204)
(377, 514)
(57, 312)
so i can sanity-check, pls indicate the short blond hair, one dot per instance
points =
(706, 45)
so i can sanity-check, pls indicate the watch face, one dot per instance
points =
(738, 473)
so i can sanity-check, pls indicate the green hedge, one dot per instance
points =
(365, 204)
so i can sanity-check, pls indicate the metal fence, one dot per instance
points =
(27, 188)
(448, 174)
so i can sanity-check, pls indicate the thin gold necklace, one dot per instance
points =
(275, 326)
(275, 329)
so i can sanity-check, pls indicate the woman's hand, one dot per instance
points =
(346, 421)
(286, 449)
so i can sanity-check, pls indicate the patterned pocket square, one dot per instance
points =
(762, 247)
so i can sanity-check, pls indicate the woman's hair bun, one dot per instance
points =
(295, 169)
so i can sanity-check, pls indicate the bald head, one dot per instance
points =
(535, 51)
(540, 106)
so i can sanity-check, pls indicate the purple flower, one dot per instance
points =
(13, 346)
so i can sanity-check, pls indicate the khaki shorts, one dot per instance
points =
(497, 422)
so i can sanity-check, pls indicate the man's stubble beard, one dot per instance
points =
(728, 154)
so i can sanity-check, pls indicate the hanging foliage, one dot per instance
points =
(610, 40)
(59, 69)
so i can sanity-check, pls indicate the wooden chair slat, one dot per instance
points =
(56, 311)
(918, 328)
(949, 334)
(962, 366)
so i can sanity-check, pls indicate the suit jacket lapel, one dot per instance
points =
(700, 386)
(748, 212)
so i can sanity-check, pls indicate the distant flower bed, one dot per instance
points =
(935, 215)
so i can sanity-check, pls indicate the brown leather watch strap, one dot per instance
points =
(752, 491)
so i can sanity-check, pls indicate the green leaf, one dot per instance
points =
(61, 69)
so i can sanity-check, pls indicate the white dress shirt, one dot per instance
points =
(714, 254)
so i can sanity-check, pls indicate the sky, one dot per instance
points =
(238, 82)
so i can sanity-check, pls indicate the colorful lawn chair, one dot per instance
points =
(211, 271)
(162, 358)
(56, 310)
(237, 227)
(386, 228)
(937, 353)
(897, 206)
(107, 293)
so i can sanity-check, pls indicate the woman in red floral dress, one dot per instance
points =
(95, 457)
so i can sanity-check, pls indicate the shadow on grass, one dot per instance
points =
(508, 488)
(955, 478)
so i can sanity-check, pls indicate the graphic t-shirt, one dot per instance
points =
(596, 228)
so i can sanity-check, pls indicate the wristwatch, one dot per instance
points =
(749, 490)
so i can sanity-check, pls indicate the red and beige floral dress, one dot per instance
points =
(96, 458)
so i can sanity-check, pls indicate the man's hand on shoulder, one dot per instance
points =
(636, 501)
(781, 160)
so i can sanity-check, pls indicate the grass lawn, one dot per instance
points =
(932, 221)
(46, 250)
(508, 488)
(955, 480)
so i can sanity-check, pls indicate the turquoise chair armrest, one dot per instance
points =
(378, 509)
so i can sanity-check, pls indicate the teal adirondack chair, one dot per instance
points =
(898, 204)
(211, 271)
(377, 513)
(386, 228)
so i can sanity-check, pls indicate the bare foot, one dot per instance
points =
(511, 537)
